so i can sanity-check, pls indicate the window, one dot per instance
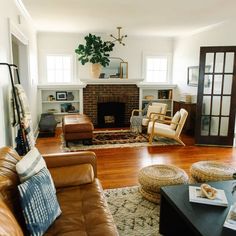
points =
(59, 68)
(157, 69)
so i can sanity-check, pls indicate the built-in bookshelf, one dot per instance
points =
(60, 99)
(157, 93)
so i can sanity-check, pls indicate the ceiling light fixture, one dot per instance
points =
(119, 38)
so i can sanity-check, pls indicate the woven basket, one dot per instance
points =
(204, 171)
(153, 177)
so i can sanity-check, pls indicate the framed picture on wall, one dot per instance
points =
(193, 74)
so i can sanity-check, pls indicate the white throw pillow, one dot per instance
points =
(30, 164)
(175, 119)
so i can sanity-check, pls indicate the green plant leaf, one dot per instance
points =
(94, 50)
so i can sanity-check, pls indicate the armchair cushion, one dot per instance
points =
(161, 129)
(155, 109)
(39, 202)
(72, 175)
(175, 120)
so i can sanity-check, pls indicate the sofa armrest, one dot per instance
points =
(71, 159)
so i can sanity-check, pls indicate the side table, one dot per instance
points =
(190, 122)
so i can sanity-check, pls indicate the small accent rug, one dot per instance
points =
(117, 139)
(133, 215)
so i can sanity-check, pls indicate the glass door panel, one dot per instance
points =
(207, 84)
(224, 126)
(209, 62)
(228, 80)
(225, 109)
(206, 106)
(214, 126)
(215, 106)
(217, 84)
(219, 62)
(229, 62)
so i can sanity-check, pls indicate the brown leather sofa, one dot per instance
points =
(79, 193)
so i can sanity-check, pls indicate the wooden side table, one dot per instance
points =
(190, 122)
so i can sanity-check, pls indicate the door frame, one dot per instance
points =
(206, 140)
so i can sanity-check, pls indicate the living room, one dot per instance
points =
(175, 31)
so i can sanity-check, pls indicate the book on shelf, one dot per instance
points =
(196, 196)
(165, 94)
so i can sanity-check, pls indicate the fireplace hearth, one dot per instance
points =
(110, 114)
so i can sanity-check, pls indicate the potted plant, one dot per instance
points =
(96, 52)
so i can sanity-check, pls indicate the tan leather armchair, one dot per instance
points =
(169, 127)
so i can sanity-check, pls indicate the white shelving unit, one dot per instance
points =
(162, 93)
(58, 107)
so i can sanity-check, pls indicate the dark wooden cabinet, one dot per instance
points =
(190, 122)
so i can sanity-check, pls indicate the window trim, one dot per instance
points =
(71, 67)
(157, 55)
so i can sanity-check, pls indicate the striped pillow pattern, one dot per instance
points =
(30, 164)
(39, 202)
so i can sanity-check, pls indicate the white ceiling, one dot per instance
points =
(137, 17)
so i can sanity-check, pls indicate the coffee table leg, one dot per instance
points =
(171, 222)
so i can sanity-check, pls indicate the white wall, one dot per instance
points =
(132, 52)
(9, 11)
(186, 52)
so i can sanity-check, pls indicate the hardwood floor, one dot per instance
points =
(118, 167)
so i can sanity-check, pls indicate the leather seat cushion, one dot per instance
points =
(84, 212)
(77, 124)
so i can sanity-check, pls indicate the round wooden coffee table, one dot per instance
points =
(152, 178)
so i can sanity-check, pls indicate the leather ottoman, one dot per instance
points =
(77, 127)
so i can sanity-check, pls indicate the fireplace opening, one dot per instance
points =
(110, 114)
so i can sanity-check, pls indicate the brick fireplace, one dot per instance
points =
(113, 94)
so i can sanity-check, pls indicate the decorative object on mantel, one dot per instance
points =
(119, 38)
(118, 68)
(95, 51)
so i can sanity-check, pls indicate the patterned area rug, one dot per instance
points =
(115, 139)
(133, 215)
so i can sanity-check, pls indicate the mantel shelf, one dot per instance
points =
(156, 85)
(111, 81)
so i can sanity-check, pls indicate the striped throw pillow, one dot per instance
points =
(39, 202)
(30, 164)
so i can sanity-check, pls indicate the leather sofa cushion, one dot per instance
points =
(84, 212)
(8, 225)
(72, 175)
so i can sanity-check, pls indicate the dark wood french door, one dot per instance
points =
(216, 101)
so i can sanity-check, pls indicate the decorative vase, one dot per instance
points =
(96, 70)
(70, 96)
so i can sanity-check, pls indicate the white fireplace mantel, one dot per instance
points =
(111, 81)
